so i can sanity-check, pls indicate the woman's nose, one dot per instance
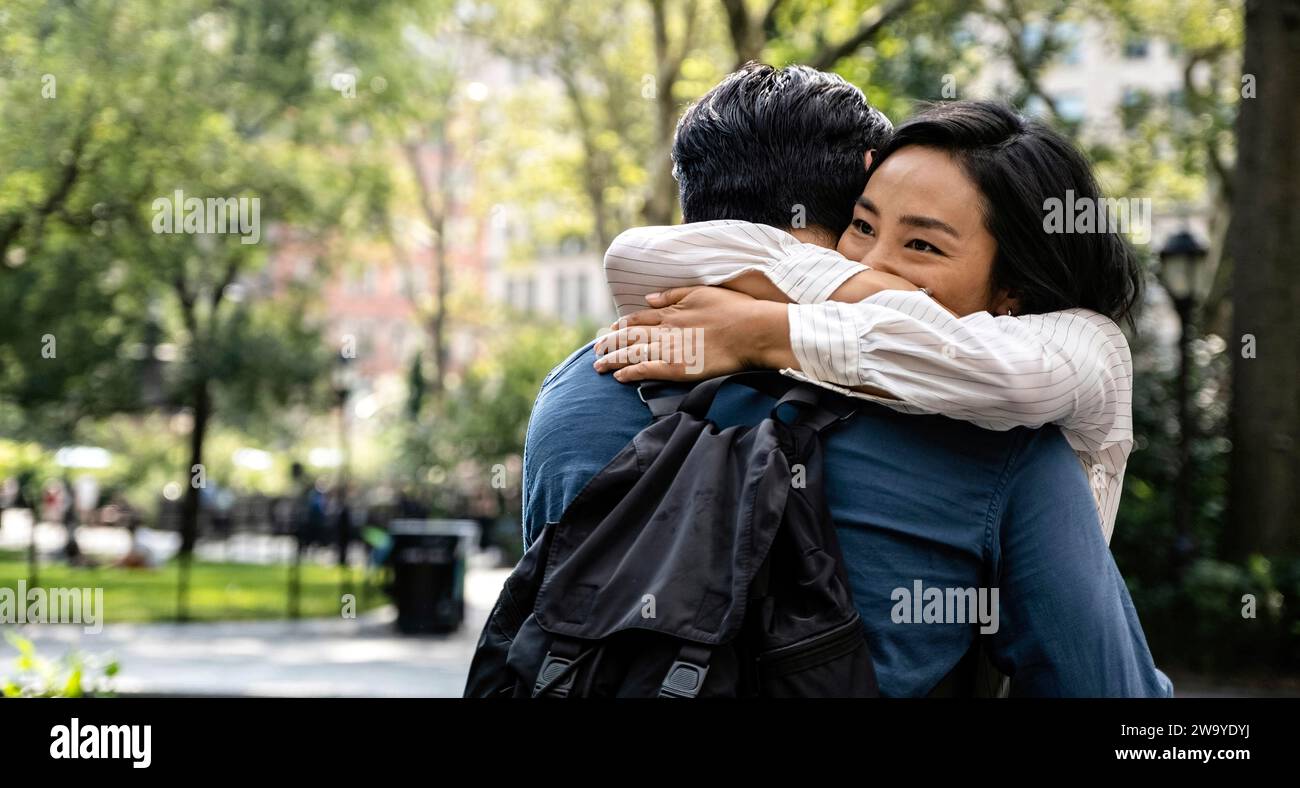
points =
(877, 260)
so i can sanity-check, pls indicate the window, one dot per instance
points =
(1071, 107)
(1031, 36)
(1036, 107)
(1071, 40)
(581, 286)
(1136, 48)
(561, 294)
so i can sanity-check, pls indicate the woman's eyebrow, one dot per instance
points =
(929, 223)
(924, 222)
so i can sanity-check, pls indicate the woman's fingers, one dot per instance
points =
(612, 360)
(634, 336)
(639, 344)
(646, 317)
(621, 338)
(668, 297)
(604, 342)
(620, 356)
(651, 370)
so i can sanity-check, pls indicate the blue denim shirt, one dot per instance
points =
(915, 499)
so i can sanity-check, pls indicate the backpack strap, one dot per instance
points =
(556, 675)
(687, 673)
(820, 408)
(662, 401)
(764, 381)
(653, 395)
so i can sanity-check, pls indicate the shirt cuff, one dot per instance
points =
(825, 340)
(809, 274)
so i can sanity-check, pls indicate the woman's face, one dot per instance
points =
(920, 218)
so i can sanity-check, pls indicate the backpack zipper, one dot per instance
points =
(815, 650)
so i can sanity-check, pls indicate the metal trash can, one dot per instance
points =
(429, 573)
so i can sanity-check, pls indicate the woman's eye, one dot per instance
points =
(924, 246)
(862, 227)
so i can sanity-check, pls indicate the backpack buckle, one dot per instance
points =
(684, 680)
(552, 668)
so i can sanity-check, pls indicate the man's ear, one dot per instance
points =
(866, 158)
(1005, 303)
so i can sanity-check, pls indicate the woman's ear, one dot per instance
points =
(866, 158)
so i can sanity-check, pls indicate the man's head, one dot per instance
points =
(782, 147)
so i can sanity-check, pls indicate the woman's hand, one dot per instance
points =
(695, 333)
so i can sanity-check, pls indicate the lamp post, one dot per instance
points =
(1183, 275)
(343, 379)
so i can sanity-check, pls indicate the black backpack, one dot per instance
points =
(700, 562)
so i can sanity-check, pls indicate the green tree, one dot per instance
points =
(109, 109)
(626, 72)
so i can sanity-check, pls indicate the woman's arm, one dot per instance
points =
(1071, 368)
(755, 259)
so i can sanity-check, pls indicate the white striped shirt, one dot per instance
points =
(1071, 368)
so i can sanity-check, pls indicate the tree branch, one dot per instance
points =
(872, 23)
(187, 305)
(1028, 64)
(768, 24)
(1198, 103)
(54, 202)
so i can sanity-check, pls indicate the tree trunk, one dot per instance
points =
(661, 207)
(440, 265)
(1263, 242)
(746, 37)
(190, 506)
(661, 203)
(435, 207)
(594, 165)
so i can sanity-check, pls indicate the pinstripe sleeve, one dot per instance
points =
(649, 259)
(1071, 368)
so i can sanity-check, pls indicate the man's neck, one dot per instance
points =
(816, 236)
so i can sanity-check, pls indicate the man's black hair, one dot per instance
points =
(1018, 164)
(782, 147)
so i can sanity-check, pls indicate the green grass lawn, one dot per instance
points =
(218, 591)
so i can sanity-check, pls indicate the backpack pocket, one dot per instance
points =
(489, 676)
(832, 663)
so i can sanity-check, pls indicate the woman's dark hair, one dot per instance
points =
(1018, 165)
(772, 145)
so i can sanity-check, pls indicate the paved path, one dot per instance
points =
(364, 657)
(105, 543)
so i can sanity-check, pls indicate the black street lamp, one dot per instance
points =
(1186, 278)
